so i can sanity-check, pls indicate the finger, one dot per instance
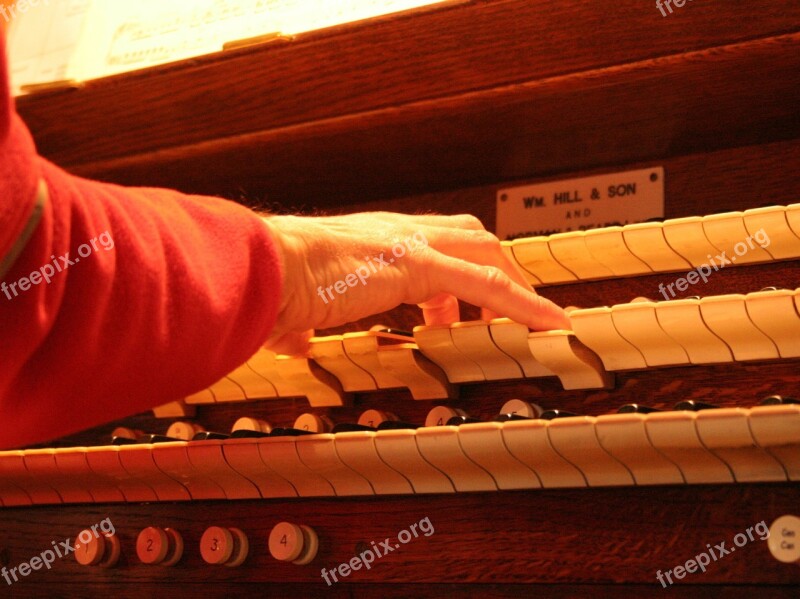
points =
(487, 315)
(441, 309)
(479, 247)
(291, 344)
(455, 221)
(491, 288)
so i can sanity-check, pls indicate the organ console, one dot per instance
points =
(615, 458)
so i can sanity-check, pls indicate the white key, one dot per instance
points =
(527, 440)
(769, 227)
(321, 387)
(607, 246)
(775, 313)
(646, 241)
(688, 238)
(512, 338)
(576, 440)
(624, 436)
(41, 463)
(423, 378)
(140, 464)
(638, 324)
(329, 353)
(440, 446)
(674, 434)
(726, 316)
(208, 458)
(244, 457)
(570, 250)
(777, 430)
(508, 251)
(173, 460)
(253, 384)
(728, 233)
(681, 320)
(398, 449)
(226, 389)
(318, 453)
(534, 256)
(726, 432)
(595, 328)
(362, 348)
(575, 365)
(358, 451)
(482, 442)
(436, 343)
(105, 462)
(280, 454)
(474, 341)
(72, 463)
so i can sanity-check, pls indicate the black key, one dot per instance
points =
(778, 400)
(123, 441)
(635, 408)
(349, 427)
(553, 414)
(458, 420)
(290, 432)
(246, 434)
(390, 331)
(510, 417)
(209, 436)
(693, 406)
(396, 425)
(145, 439)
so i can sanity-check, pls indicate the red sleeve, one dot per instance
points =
(152, 295)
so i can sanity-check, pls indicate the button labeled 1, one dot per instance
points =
(100, 550)
(784, 539)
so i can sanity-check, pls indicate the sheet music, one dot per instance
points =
(42, 43)
(85, 39)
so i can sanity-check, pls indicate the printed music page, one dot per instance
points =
(85, 39)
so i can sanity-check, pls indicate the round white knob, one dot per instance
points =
(784, 539)
(293, 543)
(521, 408)
(439, 415)
(96, 549)
(183, 430)
(162, 546)
(313, 423)
(251, 424)
(224, 546)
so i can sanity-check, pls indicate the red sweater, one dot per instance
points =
(166, 293)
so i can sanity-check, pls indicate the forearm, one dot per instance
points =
(127, 298)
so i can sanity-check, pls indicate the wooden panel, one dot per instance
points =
(353, 69)
(583, 536)
(655, 109)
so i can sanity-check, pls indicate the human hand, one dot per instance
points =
(338, 269)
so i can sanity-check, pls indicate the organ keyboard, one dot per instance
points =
(511, 443)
